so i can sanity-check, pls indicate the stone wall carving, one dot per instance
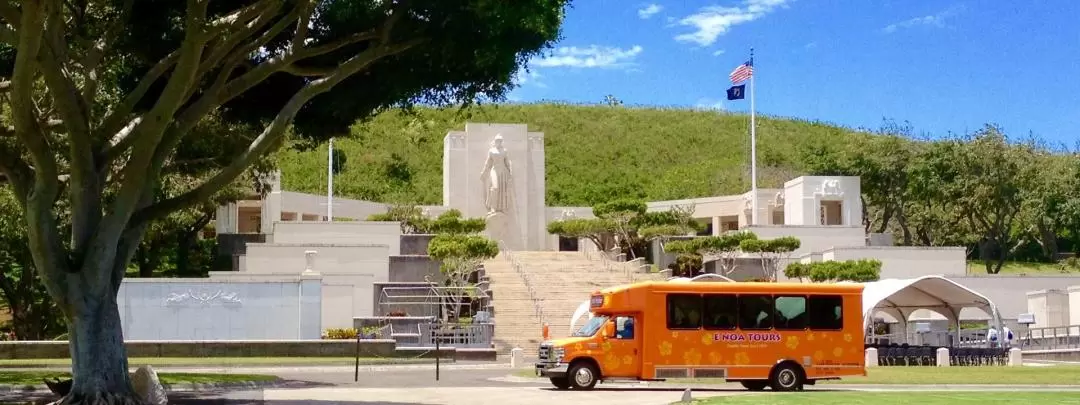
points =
(457, 141)
(830, 188)
(568, 213)
(536, 142)
(190, 296)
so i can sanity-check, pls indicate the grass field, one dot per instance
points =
(1056, 375)
(891, 398)
(592, 154)
(24, 378)
(976, 267)
(225, 361)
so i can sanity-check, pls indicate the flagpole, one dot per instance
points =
(330, 181)
(753, 148)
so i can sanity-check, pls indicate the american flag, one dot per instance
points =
(741, 73)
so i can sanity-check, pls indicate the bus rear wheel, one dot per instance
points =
(561, 383)
(583, 376)
(755, 385)
(786, 377)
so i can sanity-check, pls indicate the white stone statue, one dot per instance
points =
(148, 386)
(497, 178)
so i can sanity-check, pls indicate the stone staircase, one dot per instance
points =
(562, 280)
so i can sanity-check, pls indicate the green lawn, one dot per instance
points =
(890, 398)
(1056, 375)
(23, 378)
(226, 361)
(976, 267)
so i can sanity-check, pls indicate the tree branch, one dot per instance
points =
(271, 134)
(114, 121)
(10, 13)
(148, 132)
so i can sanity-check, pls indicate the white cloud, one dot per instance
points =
(593, 56)
(811, 45)
(711, 22)
(718, 52)
(936, 20)
(532, 76)
(649, 10)
(709, 104)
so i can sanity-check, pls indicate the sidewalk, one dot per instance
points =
(293, 369)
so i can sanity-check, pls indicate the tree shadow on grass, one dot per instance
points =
(208, 396)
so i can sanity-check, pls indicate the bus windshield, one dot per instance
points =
(590, 327)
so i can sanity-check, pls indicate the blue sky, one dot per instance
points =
(942, 65)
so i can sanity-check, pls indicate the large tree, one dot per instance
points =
(101, 95)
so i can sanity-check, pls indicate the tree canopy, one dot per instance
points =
(105, 97)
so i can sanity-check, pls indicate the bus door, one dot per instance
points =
(622, 357)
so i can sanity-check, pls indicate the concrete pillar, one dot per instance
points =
(309, 257)
(517, 357)
(310, 322)
(1016, 357)
(943, 357)
(871, 357)
(716, 224)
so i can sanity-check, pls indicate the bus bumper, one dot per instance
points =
(551, 371)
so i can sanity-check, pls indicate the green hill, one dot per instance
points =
(594, 153)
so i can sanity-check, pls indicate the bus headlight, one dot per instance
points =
(557, 354)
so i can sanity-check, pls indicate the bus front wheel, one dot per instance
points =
(583, 376)
(786, 377)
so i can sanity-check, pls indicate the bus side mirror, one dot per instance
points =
(609, 330)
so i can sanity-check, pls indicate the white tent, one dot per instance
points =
(900, 297)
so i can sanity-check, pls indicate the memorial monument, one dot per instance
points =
(509, 191)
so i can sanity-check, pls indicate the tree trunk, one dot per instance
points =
(99, 360)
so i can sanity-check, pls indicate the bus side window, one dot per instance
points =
(826, 312)
(790, 312)
(721, 311)
(755, 311)
(683, 311)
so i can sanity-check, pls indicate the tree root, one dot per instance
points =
(100, 398)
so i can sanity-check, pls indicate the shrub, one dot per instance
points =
(340, 333)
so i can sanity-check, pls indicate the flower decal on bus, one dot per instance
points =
(838, 351)
(579, 346)
(706, 339)
(612, 360)
(606, 346)
(628, 360)
(741, 358)
(847, 337)
(819, 355)
(714, 357)
(665, 348)
(810, 337)
(792, 342)
(692, 357)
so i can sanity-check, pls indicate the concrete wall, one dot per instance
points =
(906, 261)
(198, 309)
(414, 269)
(267, 258)
(17, 350)
(814, 238)
(347, 233)
(1009, 292)
(1074, 303)
(415, 244)
(344, 295)
(316, 204)
(1050, 307)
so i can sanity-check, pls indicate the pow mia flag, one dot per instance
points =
(736, 92)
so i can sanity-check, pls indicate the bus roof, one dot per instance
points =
(716, 287)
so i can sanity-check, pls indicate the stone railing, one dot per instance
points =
(537, 301)
(616, 261)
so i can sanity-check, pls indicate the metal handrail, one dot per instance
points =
(538, 306)
(628, 268)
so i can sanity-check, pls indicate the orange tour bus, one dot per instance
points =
(778, 335)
